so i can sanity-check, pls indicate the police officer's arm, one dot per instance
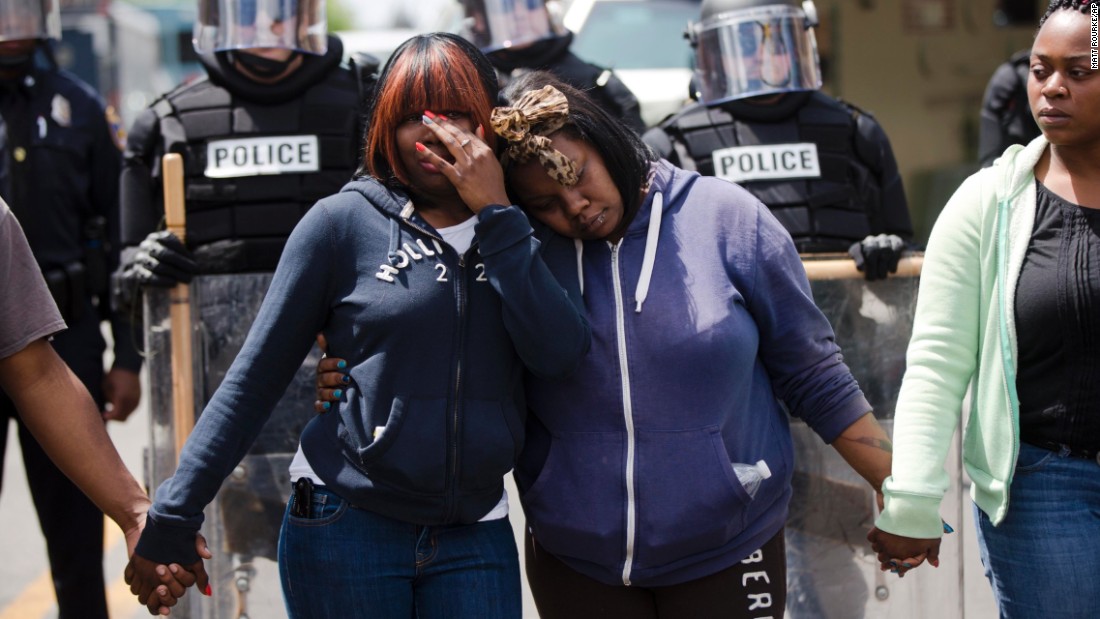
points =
(891, 214)
(150, 257)
(141, 205)
(877, 254)
(121, 385)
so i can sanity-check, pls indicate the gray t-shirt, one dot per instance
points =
(27, 310)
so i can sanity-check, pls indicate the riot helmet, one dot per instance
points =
(226, 25)
(21, 20)
(494, 25)
(748, 48)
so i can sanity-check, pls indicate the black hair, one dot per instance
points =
(1059, 5)
(626, 156)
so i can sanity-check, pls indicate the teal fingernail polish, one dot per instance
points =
(346, 379)
(338, 393)
(906, 565)
(427, 121)
(947, 528)
(341, 364)
(326, 405)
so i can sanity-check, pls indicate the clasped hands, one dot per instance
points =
(899, 554)
(159, 587)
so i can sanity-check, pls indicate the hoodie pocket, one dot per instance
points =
(577, 504)
(492, 434)
(409, 453)
(688, 498)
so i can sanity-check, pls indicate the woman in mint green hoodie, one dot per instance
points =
(1008, 305)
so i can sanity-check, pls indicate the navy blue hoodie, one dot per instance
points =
(436, 345)
(702, 321)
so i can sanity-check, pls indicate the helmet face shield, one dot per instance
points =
(492, 25)
(29, 19)
(752, 52)
(298, 25)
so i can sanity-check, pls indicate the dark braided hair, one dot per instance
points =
(1058, 5)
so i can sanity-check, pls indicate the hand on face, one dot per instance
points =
(475, 172)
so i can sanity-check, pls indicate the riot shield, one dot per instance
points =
(242, 523)
(831, 571)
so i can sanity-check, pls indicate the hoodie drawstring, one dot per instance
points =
(652, 236)
(395, 231)
(578, 245)
(649, 257)
(394, 235)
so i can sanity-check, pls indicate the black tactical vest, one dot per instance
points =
(825, 207)
(252, 169)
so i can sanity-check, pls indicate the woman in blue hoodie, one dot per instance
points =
(432, 289)
(655, 479)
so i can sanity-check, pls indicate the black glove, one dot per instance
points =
(877, 255)
(160, 261)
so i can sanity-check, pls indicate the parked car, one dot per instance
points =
(643, 41)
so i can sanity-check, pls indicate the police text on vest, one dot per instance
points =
(289, 154)
(776, 161)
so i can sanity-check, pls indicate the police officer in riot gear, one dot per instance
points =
(60, 162)
(527, 35)
(823, 167)
(275, 126)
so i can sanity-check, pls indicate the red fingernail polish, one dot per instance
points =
(444, 117)
(206, 589)
(420, 147)
(429, 114)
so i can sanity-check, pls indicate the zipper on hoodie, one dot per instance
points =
(456, 392)
(450, 502)
(628, 412)
(1006, 345)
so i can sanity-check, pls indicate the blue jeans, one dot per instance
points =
(1043, 560)
(348, 562)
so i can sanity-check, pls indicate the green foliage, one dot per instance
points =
(340, 15)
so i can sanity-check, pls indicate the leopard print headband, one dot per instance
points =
(525, 125)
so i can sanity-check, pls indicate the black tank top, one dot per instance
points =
(1058, 326)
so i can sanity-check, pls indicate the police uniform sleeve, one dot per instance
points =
(891, 214)
(139, 202)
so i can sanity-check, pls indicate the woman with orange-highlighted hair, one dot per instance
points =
(429, 284)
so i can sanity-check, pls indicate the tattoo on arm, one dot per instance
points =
(871, 441)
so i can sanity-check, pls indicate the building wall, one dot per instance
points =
(924, 85)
